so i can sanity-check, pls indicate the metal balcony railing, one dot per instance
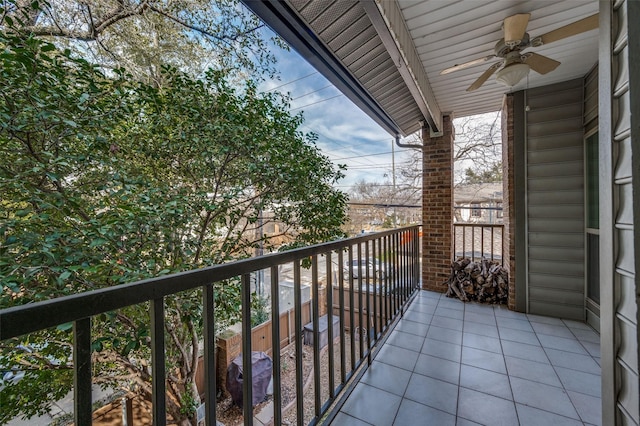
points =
(477, 241)
(374, 299)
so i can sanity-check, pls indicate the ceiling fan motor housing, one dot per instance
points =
(502, 49)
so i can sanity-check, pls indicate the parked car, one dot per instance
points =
(372, 265)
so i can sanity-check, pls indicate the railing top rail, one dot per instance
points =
(480, 225)
(24, 319)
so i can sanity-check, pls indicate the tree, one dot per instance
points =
(381, 204)
(107, 180)
(478, 149)
(490, 175)
(143, 35)
(477, 152)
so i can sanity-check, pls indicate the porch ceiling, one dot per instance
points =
(394, 50)
(447, 32)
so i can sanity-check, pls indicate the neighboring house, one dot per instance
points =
(478, 203)
(569, 131)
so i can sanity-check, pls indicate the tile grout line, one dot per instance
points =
(513, 398)
(464, 308)
(566, 391)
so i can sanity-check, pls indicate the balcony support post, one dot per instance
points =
(437, 206)
(82, 371)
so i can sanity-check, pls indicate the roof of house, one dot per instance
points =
(477, 193)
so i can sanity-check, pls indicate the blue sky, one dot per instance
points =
(345, 133)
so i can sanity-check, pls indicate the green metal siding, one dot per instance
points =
(555, 200)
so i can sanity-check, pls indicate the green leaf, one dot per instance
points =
(65, 327)
(96, 242)
(96, 346)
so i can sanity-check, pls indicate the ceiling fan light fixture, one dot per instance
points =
(512, 74)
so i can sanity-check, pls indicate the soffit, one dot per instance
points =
(344, 27)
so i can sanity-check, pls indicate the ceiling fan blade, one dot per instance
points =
(467, 64)
(484, 77)
(540, 64)
(514, 27)
(581, 26)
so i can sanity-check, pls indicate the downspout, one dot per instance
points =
(407, 145)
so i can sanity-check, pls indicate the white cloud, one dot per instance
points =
(343, 129)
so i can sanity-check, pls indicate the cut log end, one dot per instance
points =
(483, 281)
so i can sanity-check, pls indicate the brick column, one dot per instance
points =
(508, 196)
(437, 206)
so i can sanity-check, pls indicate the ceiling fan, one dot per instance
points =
(514, 65)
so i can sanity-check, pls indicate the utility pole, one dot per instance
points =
(393, 178)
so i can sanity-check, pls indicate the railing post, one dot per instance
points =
(464, 241)
(377, 278)
(403, 263)
(389, 290)
(82, 371)
(396, 262)
(275, 346)
(329, 290)
(297, 304)
(157, 362)
(352, 319)
(247, 367)
(315, 318)
(492, 243)
(455, 239)
(360, 325)
(343, 358)
(368, 303)
(208, 303)
(416, 256)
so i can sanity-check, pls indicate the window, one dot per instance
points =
(476, 211)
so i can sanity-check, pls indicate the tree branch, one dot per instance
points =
(225, 38)
(94, 28)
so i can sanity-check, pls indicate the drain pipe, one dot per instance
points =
(407, 145)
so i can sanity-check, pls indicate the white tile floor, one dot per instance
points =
(451, 363)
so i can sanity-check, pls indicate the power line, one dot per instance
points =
(317, 102)
(362, 156)
(332, 140)
(292, 81)
(373, 166)
(311, 93)
(386, 185)
(384, 205)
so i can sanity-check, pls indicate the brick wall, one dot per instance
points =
(508, 211)
(437, 207)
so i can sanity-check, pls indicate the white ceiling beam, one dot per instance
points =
(388, 21)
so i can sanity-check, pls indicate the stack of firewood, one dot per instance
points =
(484, 281)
